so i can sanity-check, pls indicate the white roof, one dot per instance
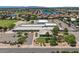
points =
(73, 19)
(38, 25)
(32, 28)
(50, 24)
(42, 21)
(47, 25)
(61, 28)
(44, 31)
(32, 25)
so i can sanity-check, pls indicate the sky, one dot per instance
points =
(45, 3)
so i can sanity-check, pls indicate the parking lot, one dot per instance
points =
(71, 29)
(12, 37)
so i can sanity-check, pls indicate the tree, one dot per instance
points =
(41, 41)
(21, 37)
(28, 17)
(33, 17)
(1, 27)
(54, 37)
(47, 34)
(68, 19)
(25, 34)
(65, 31)
(53, 41)
(70, 39)
(19, 34)
(5, 28)
(32, 22)
(60, 38)
(21, 40)
(47, 37)
(55, 30)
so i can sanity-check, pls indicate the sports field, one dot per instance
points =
(7, 23)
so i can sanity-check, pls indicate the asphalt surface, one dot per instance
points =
(8, 37)
(12, 37)
(64, 25)
(36, 50)
(30, 38)
(71, 29)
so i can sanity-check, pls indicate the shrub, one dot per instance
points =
(66, 31)
(53, 42)
(70, 39)
(55, 30)
(21, 40)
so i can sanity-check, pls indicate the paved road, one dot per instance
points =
(30, 38)
(35, 50)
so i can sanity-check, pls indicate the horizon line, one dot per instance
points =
(39, 6)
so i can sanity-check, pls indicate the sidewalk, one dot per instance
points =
(31, 46)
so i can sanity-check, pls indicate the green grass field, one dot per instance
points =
(7, 23)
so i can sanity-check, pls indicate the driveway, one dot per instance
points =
(30, 38)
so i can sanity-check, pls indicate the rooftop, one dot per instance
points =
(40, 25)
(31, 28)
(42, 21)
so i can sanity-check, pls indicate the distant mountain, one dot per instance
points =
(22, 7)
(11, 6)
(33, 7)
